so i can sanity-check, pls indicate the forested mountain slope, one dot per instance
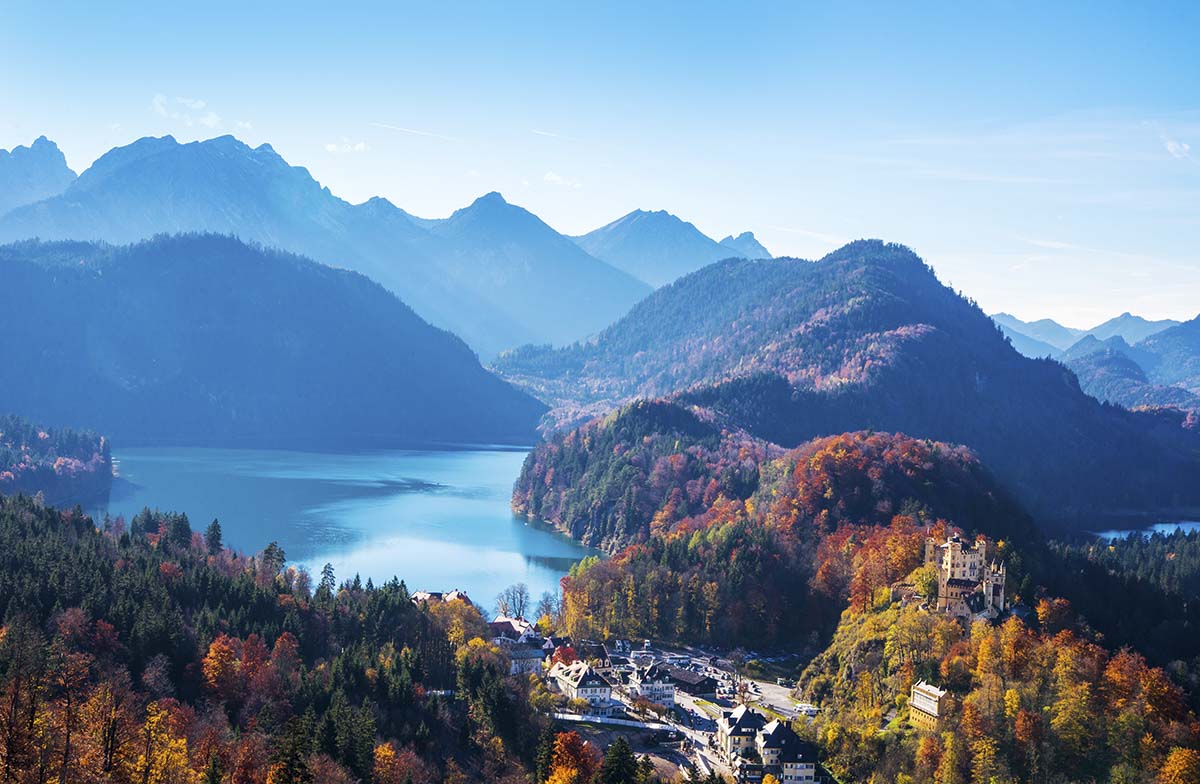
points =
(61, 464)
(203, 339)
(1115, 377)
(740, 544)
(152, 653)
(867, 338)
(1176, 355)
(745, 546)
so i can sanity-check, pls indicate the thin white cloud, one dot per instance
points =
(181, 110)
(414, 131)
(1176, 148)
(554, 178)
(553, 135)
(1084, 252)
(346, 147)
(244, 125)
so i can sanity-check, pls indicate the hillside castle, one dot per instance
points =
(967, 586)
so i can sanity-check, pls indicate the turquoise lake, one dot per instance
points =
(437, 519)
(1160, 528)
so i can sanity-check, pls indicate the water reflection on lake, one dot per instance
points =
(436, 519)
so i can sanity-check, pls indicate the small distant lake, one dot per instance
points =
(437, 519)
(1187, 526)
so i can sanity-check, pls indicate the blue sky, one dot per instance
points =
(1045, 160)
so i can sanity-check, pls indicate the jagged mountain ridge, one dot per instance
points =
(747, 246)
(658, 247)
(33, 173)
(494, 300)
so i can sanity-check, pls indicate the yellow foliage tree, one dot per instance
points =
(1182, 766)
(164, 757)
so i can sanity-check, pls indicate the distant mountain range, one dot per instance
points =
(1131, 328)
(1032, 338)
(1036, 337)
(1127, 360)
(1111, 374)
(657, 247)
(33, 173)
(204, 339)
(492, 273)
(1090, 344)
(867, 338)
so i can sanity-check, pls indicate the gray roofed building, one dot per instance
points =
(525, 659)
(692, 682)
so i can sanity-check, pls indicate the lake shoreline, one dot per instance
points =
(436, 516)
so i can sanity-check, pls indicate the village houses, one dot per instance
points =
(754, 747)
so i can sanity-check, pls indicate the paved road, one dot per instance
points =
(700, 737)
(697, 736)
(777, 698)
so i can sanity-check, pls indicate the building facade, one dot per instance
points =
(737, 731)
(525, 659)
(785, 755)
(653, 683)
(755, 748)
(578, 681)
(924, 706)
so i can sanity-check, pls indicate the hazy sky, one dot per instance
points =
(1045, 160)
